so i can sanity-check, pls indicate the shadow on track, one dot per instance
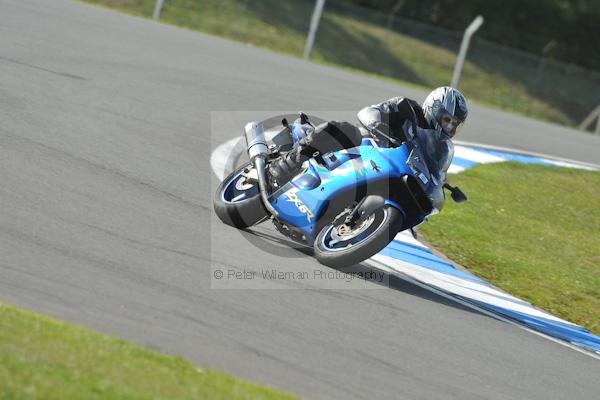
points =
(275, 244)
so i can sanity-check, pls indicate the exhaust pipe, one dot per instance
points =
(258, 151)
(255, 140)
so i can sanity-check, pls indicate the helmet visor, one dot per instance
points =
(450, 125)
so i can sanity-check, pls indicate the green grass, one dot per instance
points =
(43, 358)
(533, 231)
(359, 39)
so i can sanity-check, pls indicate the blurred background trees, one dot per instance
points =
(567, 30)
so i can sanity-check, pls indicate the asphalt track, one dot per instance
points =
(106, 217)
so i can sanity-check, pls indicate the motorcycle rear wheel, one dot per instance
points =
(342, 246)
(237, 202)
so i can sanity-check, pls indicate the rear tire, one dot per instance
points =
(237, 202)
(336, 246)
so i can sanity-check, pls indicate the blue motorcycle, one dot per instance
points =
(339, 188)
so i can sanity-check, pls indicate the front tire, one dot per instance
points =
(341, 246)
(237, 202)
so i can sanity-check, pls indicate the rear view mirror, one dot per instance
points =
(457, 195)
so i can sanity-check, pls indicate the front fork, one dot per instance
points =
(362, 210)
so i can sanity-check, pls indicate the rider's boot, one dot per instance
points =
(327, 137)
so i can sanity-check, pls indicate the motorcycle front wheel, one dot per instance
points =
(237, 201)
(342, 245)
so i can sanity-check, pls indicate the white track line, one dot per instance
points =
(474, 155)
(564, 161)
(383, 267)
(220, 156)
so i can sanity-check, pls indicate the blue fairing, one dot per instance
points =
(303, 201)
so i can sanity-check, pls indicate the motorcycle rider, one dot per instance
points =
(438, 119)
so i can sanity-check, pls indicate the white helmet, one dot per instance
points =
(445, 110)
